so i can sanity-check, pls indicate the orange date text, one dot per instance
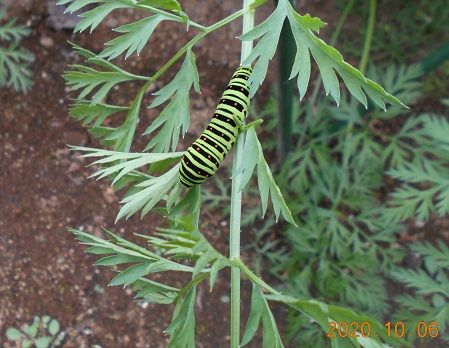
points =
(398, 329)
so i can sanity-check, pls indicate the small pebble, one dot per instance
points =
(143, 304)
(225, 299)
(46, 41)
(87, 331)
(419, 223)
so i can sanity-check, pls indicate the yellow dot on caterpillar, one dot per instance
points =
(198, 172)
(235, 104)
(216, 145)
(208, 156)
(197, 149)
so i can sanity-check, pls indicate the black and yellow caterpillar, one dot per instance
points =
(204, 156)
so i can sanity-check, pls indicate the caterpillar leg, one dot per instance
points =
(242, 127)
(240, 124)
(251, 124)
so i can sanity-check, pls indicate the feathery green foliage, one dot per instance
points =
(253, 156)
(97, 83)
(151, 178)
(424, 184)
(175, 118)
(328, 58)
(14, 59)
(428, 299)
(345, 244)
(91, 18)
(135, 37)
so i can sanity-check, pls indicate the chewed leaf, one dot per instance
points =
(313, 23)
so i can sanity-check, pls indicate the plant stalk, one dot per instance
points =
(350, 127)
(254, 278)
(170, 15)
(236, 199)
(369, 35)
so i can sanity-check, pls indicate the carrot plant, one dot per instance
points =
(355, 228)
(14, 59)
(150, 179)
(361, 190)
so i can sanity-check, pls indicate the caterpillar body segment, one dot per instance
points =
(204, 156)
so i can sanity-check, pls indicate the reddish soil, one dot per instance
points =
(44, 189)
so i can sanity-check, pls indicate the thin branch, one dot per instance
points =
(171, 16)
(236, 198)
(369, 35)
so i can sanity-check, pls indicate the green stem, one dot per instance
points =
(206, 31)
(350, 127)
(170, 15)
(369, 35)
(254, 278)
(236, 198)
